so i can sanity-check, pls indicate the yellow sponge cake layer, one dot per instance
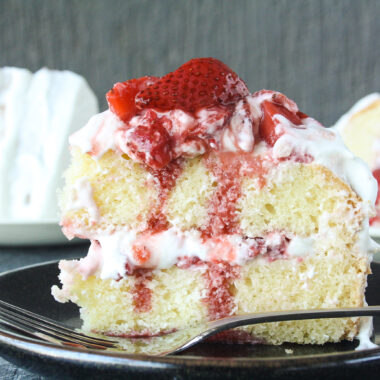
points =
(299, 198)
(323, 280)
(304, 198)
(187, 204)
(119, 189)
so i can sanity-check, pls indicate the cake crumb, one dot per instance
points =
(288, 351)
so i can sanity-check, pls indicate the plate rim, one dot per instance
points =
(31, 222)
(79, 356)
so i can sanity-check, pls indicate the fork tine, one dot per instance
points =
(42, 329)
(50, 336)
(49, 322)
(35, 325)
(25, 329)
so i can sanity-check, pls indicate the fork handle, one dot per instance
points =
(292, 315)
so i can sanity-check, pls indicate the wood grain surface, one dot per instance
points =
(325, 54)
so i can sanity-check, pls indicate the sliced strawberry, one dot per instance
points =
(199, 83)
(268, 124)
(150, 142)
(121, 98)
(302, 115)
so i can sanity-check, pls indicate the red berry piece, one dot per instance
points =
(376, 219)
(121, 98)
(268, 124)
(199, 83)
(376, 174)
(150, 142)
(141, 254)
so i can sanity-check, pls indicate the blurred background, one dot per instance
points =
(324, 54)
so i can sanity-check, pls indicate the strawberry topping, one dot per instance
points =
(269, 122)
(149, 141)
(376, 219)
(199, 83)
(200, 107)
(121, 98)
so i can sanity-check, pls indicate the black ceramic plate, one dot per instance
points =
(30, 288)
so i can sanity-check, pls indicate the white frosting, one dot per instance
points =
(327, 149)
(301, 247)
(37, 114)
(97, 135)
(111, 252)
(81, 197)
(365, 333)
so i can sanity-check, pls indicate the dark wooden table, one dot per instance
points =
(325, 54)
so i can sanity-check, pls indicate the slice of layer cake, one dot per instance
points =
(360, 130)
(202, 200)
(38, 112)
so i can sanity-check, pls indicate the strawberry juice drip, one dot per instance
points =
(229, 169)
(218, 279)
(165, 180)
(141, 294)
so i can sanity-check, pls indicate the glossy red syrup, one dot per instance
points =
(198, 84)
(149, 142)
(218, 281)
(165, 179)
(218, 278)
(228, 168)
(201, 84)
(141, 294)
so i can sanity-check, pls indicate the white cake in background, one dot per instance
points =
(37, 114)
(360, 130)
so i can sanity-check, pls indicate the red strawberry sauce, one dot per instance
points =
(218, 280)
(376, 219)
(165, 179)
(141, 294)
(229, 169)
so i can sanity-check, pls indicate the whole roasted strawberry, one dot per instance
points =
(199, 83)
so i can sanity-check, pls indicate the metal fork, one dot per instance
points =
(49, 330)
